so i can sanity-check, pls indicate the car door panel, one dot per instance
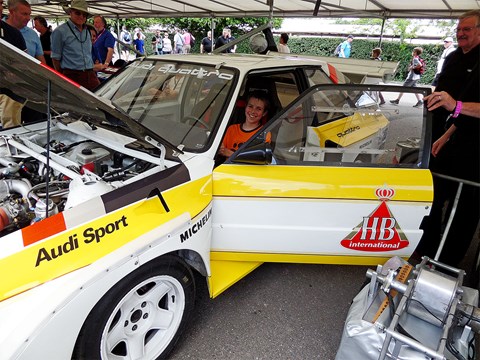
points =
(310, 216)
(356, 203)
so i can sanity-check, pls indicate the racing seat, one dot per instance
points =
(257, 83)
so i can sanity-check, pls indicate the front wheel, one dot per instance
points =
(142, 316)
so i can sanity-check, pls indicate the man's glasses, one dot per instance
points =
(79, 13)
(466, 29)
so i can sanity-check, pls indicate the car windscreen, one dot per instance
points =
(182, 102)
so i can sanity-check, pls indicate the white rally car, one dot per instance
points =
(114, 199)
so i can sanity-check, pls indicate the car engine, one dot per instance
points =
(43, 173)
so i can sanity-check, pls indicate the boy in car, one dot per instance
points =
(238, 134)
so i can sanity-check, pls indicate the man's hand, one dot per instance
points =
(440, 99)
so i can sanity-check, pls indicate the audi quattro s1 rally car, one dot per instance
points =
(110, 204)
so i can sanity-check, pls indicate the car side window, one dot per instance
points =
(281, 89)
(345, 125)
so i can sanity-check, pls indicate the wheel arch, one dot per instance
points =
(194, 260)
(86, 343)
(71, 312)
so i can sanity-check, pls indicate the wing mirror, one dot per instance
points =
(258, 154)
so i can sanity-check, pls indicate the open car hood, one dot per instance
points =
(25, 79)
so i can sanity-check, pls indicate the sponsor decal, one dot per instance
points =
(378, 231)
(348, 131)
(172, 69)
(195, 227)
(89, 235)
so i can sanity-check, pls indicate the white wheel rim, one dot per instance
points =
(145, 320)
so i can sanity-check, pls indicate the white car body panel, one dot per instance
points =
(258, 227)
(47, 323)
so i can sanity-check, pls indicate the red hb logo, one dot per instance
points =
(384, 226)
(377, 232)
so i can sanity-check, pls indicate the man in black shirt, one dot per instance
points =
(206, 44)
(41, 26)
(10, 110)
(10, 34)
(225, 38)
(456, 151)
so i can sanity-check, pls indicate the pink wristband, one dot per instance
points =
(458, 109)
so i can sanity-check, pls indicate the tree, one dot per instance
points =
(403, 28)
(199, 26)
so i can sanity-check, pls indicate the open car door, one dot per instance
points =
(343, 181)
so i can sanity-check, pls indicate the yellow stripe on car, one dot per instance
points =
(85, 244)
(321, 182)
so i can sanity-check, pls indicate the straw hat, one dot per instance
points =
(80, 5)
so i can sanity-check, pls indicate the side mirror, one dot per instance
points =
(259, 154)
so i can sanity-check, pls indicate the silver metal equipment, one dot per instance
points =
(412, 313)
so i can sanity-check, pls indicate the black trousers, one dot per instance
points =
(462, 164)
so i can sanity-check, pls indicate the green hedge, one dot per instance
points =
(361, 49)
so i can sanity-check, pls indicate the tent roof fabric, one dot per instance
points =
(265, 8)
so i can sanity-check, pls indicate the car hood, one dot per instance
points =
(26, 80)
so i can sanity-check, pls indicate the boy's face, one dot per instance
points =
(254, 111)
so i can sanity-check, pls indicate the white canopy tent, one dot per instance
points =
(265, 8)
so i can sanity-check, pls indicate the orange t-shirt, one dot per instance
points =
(236, 136)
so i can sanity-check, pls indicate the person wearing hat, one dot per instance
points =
(449, 48)
(72, 47)
(346, 47)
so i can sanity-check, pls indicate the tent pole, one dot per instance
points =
(119, 50)
(212, 27)
(381, 33)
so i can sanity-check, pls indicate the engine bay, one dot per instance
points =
(45, 172)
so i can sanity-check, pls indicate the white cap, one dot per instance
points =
(448, 39)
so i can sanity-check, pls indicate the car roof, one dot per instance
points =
(245, 62)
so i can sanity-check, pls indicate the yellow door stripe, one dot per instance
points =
(321, 182)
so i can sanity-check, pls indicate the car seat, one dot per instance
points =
(257, 83)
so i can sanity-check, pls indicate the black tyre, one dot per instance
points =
(142, 316)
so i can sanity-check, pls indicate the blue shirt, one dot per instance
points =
(139, 45)
(72, 47)
(346, 47)
(34, 46)
(104, 41)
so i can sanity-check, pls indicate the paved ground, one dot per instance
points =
(280, 311)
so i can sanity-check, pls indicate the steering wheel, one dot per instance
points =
(195, 120)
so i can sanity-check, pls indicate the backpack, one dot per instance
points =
(337, 50)
(420, 70)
